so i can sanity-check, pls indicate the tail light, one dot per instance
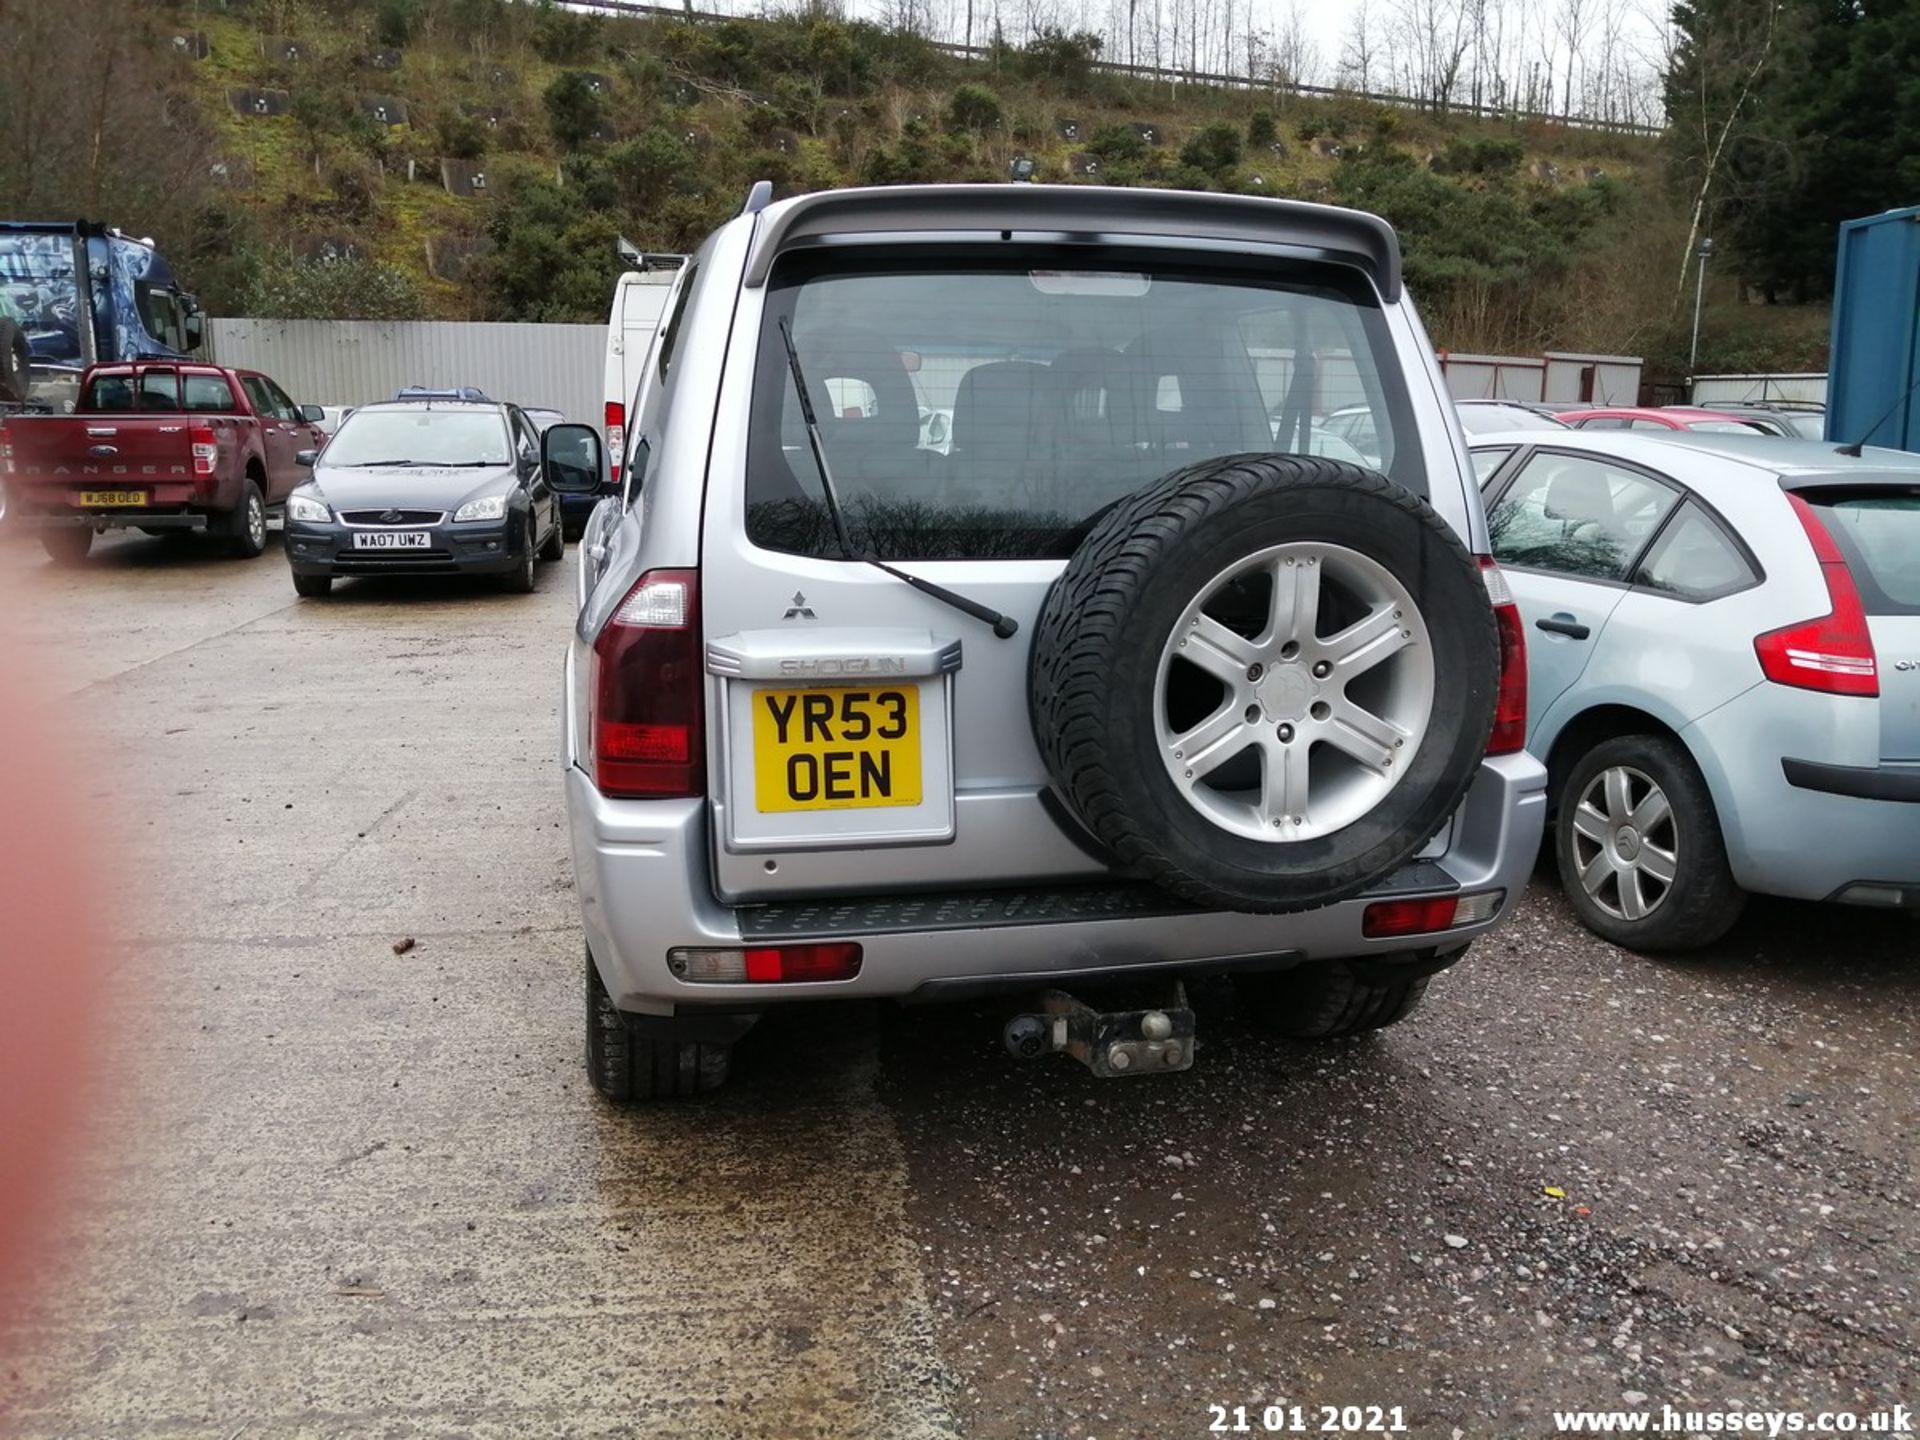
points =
(766, 964)
(616, 434)
(1389, 919)
(1510, 709)
(648, 692)
(1833, 653)
(206, 446)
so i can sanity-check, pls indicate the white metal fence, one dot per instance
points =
(350, 362)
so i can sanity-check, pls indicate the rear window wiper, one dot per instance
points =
(1004, 626)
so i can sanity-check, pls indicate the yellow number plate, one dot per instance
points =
(836, 747)
(113, 497)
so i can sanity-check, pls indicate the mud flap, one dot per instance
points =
(1154, 1040)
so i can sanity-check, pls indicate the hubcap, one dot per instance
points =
(1293, 692)
(256, 522)
(1626, 843)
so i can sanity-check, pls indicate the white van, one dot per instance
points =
(639, 299)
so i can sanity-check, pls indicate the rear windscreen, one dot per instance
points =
(122, 392)
(993, 408)
(1879, 533)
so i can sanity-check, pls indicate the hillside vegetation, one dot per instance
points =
(1517, 236)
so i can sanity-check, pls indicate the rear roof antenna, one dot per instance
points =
(1853, 447)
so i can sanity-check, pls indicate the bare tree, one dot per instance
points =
(1358, 61)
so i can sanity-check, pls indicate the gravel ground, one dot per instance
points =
(336, 1190)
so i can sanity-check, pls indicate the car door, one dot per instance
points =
(302, 434)
(276, 437)
(1567, 529)
(544, 504)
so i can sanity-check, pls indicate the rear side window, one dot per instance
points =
(992, 407)
(1879, 533)
(109, 393)
(1573, 515)
(670, 334)
(1694, 559)
(158, 390)
(205, 394)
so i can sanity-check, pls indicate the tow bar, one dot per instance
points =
(1110, 1043)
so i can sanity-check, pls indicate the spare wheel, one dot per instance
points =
(1263, 682)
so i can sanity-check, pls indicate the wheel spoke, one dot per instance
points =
(1595, 872)
(1588, 821)
(1361, 646)
(1651, 811)
(1619, 802)
(1363, 735)
(1223, 653)
(1296, 603)
(1215, 740)
(1633, 904)
(1661, 865)
(1283, 782)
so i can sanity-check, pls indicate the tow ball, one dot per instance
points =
(1110, 1043)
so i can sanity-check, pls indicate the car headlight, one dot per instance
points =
(487, 507)
(301, 507)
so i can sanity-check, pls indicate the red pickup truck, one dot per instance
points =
(160, 445)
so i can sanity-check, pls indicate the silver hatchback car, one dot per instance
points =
(1725, 658)
(1120, 679)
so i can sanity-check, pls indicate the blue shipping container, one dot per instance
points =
(1876, 329)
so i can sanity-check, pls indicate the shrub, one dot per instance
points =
(574, 111)
(459, 136)
(394, 21)
(1214, 150)
(975, 108)
(564, 37)
(1117, 142)
(1261, 131)
(286, 289)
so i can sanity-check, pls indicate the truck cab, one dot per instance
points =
(79, 293)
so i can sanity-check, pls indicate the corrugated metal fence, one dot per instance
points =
(350, 362)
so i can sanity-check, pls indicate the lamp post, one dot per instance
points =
(1702, 250)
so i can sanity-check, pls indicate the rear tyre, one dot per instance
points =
(626, 1067)
(1330, 999)
(519, 580)
(1639, 848)
(16, 364)
(245, 530)
(555, 547)
(313, 587)
(67, 545)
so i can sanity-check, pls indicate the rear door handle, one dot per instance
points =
(1563, 624)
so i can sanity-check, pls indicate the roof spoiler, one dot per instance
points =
(1086, 213)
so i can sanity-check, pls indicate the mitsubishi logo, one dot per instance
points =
(799, 610)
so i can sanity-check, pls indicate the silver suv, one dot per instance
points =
(1121, 681)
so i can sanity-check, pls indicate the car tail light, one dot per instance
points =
(1390, 919)
(648, 691)
(1510, 709)
(1834, 652)
(616, 434)
(766, 964)
(206, 446)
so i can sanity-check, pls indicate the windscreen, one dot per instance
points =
(993, 408)
(420, 437)
(1879, 532)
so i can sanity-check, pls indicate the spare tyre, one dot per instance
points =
(1263, 682)
(16, 364)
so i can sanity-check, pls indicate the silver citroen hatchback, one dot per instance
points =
(1120, 680)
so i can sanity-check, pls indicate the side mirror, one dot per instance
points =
(195, 327)
(305, 458)
(312, 414)
(575, 459)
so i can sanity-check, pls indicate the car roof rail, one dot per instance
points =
(758, 198)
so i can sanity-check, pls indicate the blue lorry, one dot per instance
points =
(77, 293)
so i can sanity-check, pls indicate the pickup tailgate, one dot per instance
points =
(103, 462)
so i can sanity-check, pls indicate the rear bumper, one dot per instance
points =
(182, 504)
(645, 886)
(1899, 784)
